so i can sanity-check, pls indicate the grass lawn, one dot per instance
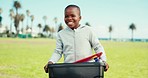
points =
(25, 58)
(127, 59)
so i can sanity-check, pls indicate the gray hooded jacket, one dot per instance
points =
(76, 44)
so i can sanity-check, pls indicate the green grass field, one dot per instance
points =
(25, 58)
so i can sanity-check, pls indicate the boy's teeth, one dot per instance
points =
(70, 22)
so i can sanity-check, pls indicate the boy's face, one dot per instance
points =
(72, 17)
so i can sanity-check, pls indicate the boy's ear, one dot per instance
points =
(80, 17)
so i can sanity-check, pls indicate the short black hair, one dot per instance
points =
(72, 5)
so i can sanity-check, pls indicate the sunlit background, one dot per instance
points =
(100, 14)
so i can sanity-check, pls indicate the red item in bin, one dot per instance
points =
(88, 58)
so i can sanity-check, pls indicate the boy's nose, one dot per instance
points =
(69, 18)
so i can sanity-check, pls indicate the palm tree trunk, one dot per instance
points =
(22, 27)
(11, 27)
(27, 20)
(16, 11)
(17, 31)
(132, 36)
(39, 30)
(110, 36)
(31, 27)
(17, 22)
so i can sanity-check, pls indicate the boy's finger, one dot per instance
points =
(46, 69)
(107, 67)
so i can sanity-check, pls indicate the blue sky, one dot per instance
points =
(99, 13)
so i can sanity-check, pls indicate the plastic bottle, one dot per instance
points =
(96, 59)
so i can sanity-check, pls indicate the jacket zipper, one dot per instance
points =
(74, 46)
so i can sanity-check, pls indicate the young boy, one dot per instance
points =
(76, 41)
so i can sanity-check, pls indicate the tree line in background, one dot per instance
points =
(16, 18)
(132, 27)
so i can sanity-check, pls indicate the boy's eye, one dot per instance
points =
(66, 16)
(72, 15)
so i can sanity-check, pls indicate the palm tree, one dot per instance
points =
(0, 21)
(52, 31)
(45, 19)
(47, 29)
(132, 27)
(0, 17)
(22, 17)
(55, 21)
(1, 11)
(12, 16)
(60, 27)
(17, 5)
(110, 31)
(40, 26)
(28, 15)
(32, 19)
(87, 23)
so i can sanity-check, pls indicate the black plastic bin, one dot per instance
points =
(77, 70)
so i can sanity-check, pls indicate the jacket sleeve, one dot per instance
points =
(96, 45)
(57, 54)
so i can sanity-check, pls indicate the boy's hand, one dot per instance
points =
(46, 66)
(106, 66)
